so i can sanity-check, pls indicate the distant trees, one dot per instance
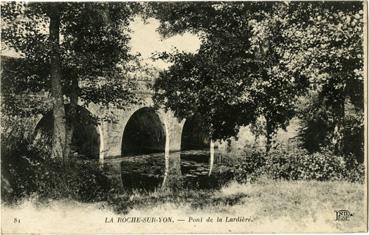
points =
(75, 51)
(258, 58)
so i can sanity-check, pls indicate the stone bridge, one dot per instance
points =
(140, 139)
(137, 133)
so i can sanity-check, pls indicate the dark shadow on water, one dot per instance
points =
(195, 163)
(146, 172)
(143, 172)
(195, 170)
(195, 166)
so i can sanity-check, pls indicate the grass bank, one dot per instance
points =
(266, 206)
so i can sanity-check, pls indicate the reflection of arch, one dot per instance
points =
(86, 138)
(194, 135)
(144, 133)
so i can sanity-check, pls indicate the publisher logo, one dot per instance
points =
(343, 215)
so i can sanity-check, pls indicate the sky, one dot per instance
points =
(146, 41)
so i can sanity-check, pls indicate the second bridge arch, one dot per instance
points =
(143, 150)
(197, 151)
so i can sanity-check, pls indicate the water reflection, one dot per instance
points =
(189, 168)
(143, 171)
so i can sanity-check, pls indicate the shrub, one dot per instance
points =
(16, 170)
(27, 170)
(355, 171)
(79, 180)
(304, 166)
(250, 167)
(297, 165)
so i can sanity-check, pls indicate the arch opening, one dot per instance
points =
(143, 134)
(194, 135)
(85, 139)
(143, 149)
(195, 153)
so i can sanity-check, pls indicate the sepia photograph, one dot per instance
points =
(155, 117)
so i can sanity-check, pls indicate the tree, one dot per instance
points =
(260, 58)
(88, 57)
(59, 129)
(329, 45)
(237, 74)
(277, 84)
(344, 54)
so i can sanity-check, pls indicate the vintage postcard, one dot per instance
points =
(183, 117)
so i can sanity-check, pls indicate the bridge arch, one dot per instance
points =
(194, 135)
(144, 133)
(144, 149)
(87, 137)
(197, 148)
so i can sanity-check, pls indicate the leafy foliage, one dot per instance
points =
(252, 165)
(297, 165)
(205, 83)
(332, 52)
(257, 59)
(30, 173)
(86, 59)
(318, 128)
(94, 50)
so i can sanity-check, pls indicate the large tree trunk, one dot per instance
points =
(58, 139)
(72, 117)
